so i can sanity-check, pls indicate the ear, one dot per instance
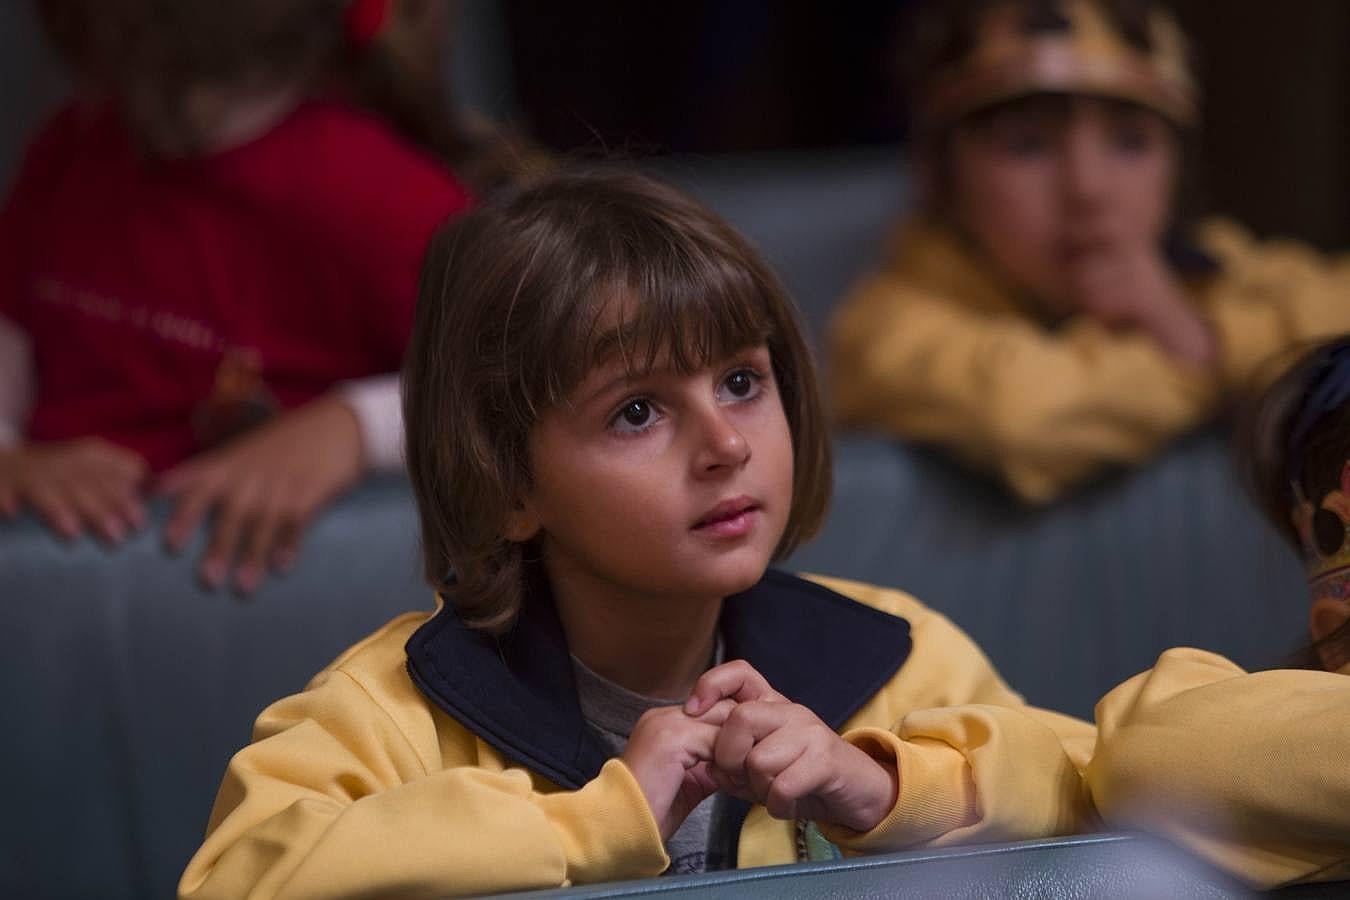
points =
(1327, 616)
(522, 523)
(1345, 478)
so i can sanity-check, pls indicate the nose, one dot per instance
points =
(1087, 179)
(722, 447)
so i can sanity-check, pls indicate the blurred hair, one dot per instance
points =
(509, 321)
(154, 57)
(1269, 473)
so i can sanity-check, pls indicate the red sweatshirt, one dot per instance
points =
(134, 277)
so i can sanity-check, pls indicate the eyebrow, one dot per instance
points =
(609, 386)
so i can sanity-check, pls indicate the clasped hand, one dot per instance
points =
(737, 734)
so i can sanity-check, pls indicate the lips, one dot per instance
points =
(730, 516)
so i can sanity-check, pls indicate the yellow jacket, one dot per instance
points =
(1248, 770)
(365, 784)
(936, 348)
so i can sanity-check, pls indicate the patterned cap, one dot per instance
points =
(1083, 54)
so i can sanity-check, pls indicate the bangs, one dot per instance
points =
(682, 307)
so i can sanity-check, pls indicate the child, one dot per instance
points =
(1248, 769)
(613, 428)
(1043, 316)
(221, 234)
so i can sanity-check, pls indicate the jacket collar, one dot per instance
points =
(816, 647)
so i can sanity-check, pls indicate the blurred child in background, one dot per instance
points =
(208, 263)
(1249, 769)
(1046, 314)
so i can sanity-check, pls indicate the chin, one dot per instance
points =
(738, 573)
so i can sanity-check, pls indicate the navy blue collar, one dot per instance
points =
(815, 646)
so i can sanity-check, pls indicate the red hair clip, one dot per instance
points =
(364, 20)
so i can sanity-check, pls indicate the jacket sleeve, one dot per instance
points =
(378, 408)
(1272, 297)
(975, 762)
(334, 799)
(1041, 410)
(1248, 770)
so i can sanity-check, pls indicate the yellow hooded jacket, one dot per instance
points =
(936, 348)
(429, 760)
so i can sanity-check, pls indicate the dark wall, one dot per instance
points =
(708, 76)
(30, 83)
(1275, 150)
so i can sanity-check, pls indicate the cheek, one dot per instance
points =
(1007, 206)
(1144, 195)
(773, 447)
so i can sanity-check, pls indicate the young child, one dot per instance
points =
(1247, 768)
(222, 232)
(1044, 315)
(613, 428)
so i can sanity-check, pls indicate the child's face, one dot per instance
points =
(663, 485)
(1042, 183)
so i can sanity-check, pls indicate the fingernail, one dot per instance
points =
(115, 530)
(246, 578)
(691, 707)
(213, 572)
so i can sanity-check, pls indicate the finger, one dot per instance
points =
(287, 547)
(257, 546)
(9, 502)
(182, 476)
(188, 513)
(792, 792)
(120, 499)
(121, 488)
(735, 787)
(718, 713)
(286, 544)
(770, 758)
(736, 679)
(237, 513)
(701, 775)
(56, 511)
(748, 724)
(129, 466)
(92, 505)
(132, 509)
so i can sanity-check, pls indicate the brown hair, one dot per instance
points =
(508, 323)
(1270, 468)
(151, 55)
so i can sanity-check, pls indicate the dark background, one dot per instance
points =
(710, 77)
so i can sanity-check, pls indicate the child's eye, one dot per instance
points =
(742, 384)
(1132, 140)
(634, 416)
